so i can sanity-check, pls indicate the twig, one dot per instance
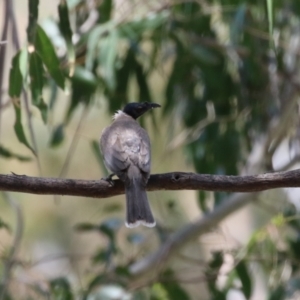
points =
(167, 181)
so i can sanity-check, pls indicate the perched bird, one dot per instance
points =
(126, 149)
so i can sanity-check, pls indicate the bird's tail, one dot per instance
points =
(138, 208)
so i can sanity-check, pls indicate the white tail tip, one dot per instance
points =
(140, 222)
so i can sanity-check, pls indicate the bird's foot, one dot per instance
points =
(109, 179)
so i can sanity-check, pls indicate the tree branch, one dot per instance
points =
(167, 181)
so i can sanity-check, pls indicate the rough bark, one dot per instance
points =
(167, 181)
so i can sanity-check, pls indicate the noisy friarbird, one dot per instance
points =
(126, 149)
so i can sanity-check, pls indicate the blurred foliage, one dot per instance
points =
(231, 82)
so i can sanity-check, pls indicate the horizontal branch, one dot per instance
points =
(167, 181)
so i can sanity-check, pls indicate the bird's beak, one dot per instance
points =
(154, 105)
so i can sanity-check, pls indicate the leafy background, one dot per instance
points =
(226, 75)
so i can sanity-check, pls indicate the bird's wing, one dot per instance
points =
(145, 156)
(114, 155)
(130, 147)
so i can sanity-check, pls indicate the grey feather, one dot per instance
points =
(126, 149)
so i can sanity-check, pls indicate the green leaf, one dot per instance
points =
(86, 227)
(100, 256)
(64, 22)
(120, 95)
(158, 292)
(144, 91)
(107, 231)
(122, 271)
(65, 29)
(19, 128)
(216, 261)
(95, 36)
(36, 72)
(46, 51)
(4, 225)
(105, 9)
(57, 136)
(23, 62)
(242, 271)
(53, 93)
(212, 269)
(133, 30)
(204, 55)
(15, 78)
(202, 201)
(174, 290)
(278, 294)
(97, 280)
(112, 208)
(32, 22)
(84, 85)
(107, 54)
(8, 154)
(61, 289)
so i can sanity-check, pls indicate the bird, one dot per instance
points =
(126, 151)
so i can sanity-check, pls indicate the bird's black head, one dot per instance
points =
(136, 109)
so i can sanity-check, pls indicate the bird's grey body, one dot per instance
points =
(126, 149)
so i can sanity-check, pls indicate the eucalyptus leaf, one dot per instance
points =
(84, 84)
(36, 72)
(144, 90)
(94, 39)
(23, 62)
(18, 127)
(65, 29)
(15, 77)
(4, 152)
(134, 29)
(4, 225)
(105, 10)
(86, 227)
(107, 54)
(119, 97)
(33, 6)
(173, 289)
(47, 53)
(64, 22)
(61, 289)
(243, 273)
(57, 136)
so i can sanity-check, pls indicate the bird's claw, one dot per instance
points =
(109, 179)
